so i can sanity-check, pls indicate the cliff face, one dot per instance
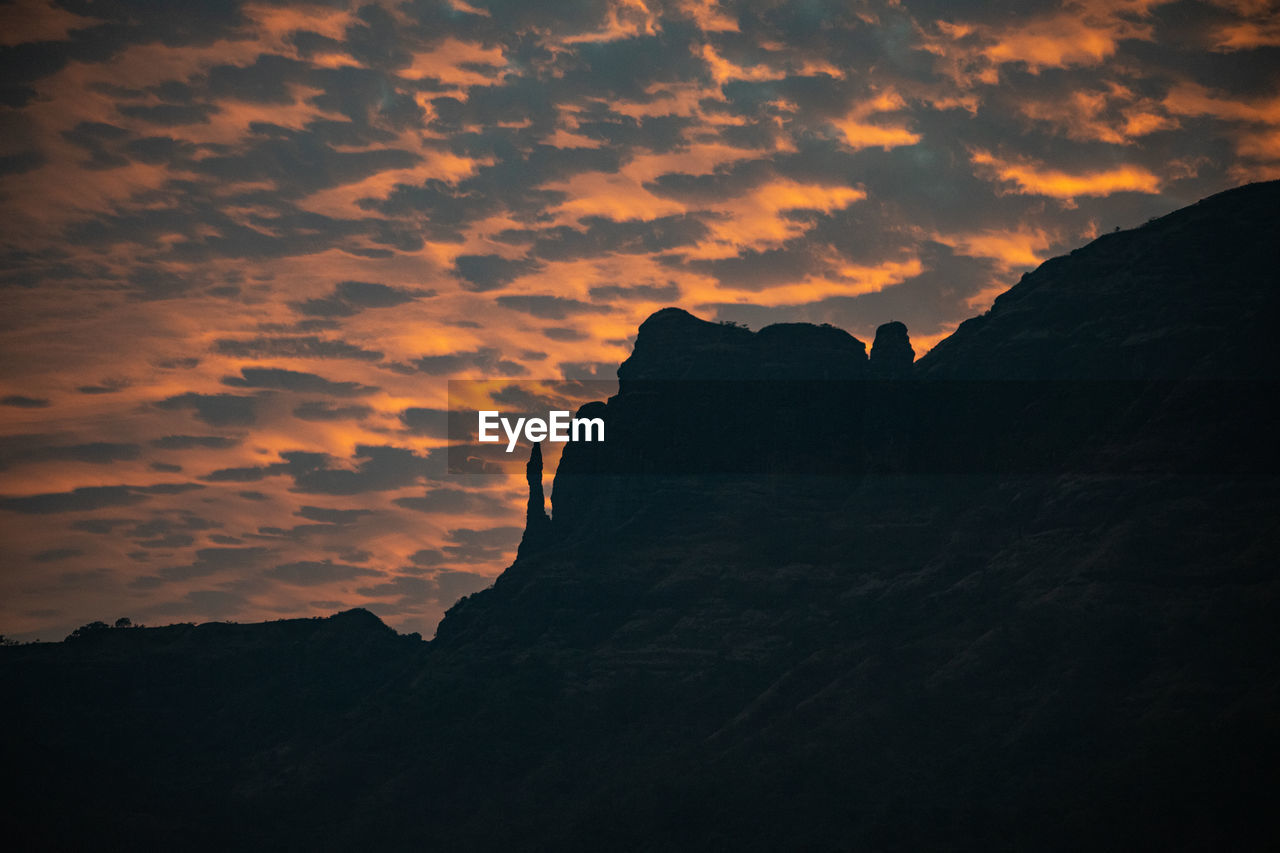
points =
(1020, 593)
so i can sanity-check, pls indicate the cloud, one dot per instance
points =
(351, 297)
(96, 452)
(216, 409)
(1031, 179)
(379, 469)
(20, 402)
(480, 273)
(467, 545)
(607, 236)
(333, 516)
(427, 557)
(321, 411)
(208, 561)
(457, 502)
(304, 346)
(550, 307)
(107, 386)
(424, 421)
(565, 334)
(280, 379)
(189, 442)
(669, 292)
(54, 555)
(317, 572)
(90, 498)
(485, 359)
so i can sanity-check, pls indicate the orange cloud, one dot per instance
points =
(454, 62)
(1087, 34)
(35, 20)
(1190, 99)
(723, 71)
(1025, 178)
(709, 17)
(1012, 249)
(626, 19)
(841, 279)
(1115, 115)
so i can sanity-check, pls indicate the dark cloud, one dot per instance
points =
(669, 292)
(169, 115)
(352, 297)
(54, 555)
(300, 160)
(307, 346)
(277, 378)
(549, 307)
(379, 469)
(452, 585)
(562, 333)
(20, 402)
(427, 557)
(321, 411)
(333, 516)
(216, 409)
(189, 442)
(208, 561)
(21, 163)
(458, 501)
(186, 363)
(107, 386)
(603, 236)
(101, 141)
(444, 587)
(90, 498)
(264, 81)
(99, 526)
(430, 422)
(486, 359)
(480, 273)
(408, 588)
(466, 545)
(316, 572)
(514, 182)
(19, 449)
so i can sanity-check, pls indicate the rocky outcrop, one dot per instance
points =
(537, 524)
(674, 345)
(891, 353)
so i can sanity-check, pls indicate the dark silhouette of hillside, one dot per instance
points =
(1019, 594)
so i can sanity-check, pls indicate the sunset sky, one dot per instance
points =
(245, 245)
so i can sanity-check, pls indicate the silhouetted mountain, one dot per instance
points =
(1020, 594)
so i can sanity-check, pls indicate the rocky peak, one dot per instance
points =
(891, 353)
(675, 345)
(537, 523)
